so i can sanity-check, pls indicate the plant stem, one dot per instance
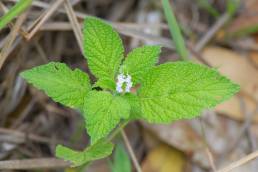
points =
(127, 143)
(117, 130)
(130, 150)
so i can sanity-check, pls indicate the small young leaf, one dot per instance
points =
(181, 90)
(121, 160)
(139, 61)
(97, 151)
(62, 84)
(103, 48)
(102, 112)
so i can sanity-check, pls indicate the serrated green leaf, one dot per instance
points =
(58, 81)
(97, 151)
(181, 90)
(134, 102)
(139, 61)
(121, 160)
(103, 112)
(103, 48)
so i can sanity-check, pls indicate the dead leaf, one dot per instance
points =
(254, 57)
(176, 134)
(182, 136)
(164, 158)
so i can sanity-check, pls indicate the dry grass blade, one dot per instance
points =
(20, 137)
(131, 152)
(240, 162)
(121, 28)
(3, 7)
(75, 24)
(207, 149)
(144, 36)
(11, 38)
(41, 163)
(47, 14)
(212, 31)
(46, 6)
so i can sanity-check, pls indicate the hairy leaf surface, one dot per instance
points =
(103, 48)
(103, 112)
(139, 61)
(181, 90)
(58, 81)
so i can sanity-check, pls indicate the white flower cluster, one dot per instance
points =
(121, 80)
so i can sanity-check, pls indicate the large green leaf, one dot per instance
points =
(103, 112)
(139, 61)
(97, 151)
(180, 90)
(62, 84)
(103, 48)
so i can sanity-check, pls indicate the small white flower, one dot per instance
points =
(121, 80)
(119, 89)
(128, 79)
(127, 89)
(119, 84)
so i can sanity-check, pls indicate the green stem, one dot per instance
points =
(118, 130)
(16, 10)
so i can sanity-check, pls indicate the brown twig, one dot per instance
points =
(20, 137)
(207, 149)
(11, 38)
(212, 31)
(240, 162)
(130, 150)
(248, 119)
(75, 24)
(43, 18)
(41, 163)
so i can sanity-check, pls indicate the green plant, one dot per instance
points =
(205, 4)
(16, 10)
(175, 30)
(164, 93)
(121, 161)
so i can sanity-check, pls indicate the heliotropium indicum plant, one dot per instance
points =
(162, 93)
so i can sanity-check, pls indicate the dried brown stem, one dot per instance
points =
(131, 152)
(41, 163)
(240, 162)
